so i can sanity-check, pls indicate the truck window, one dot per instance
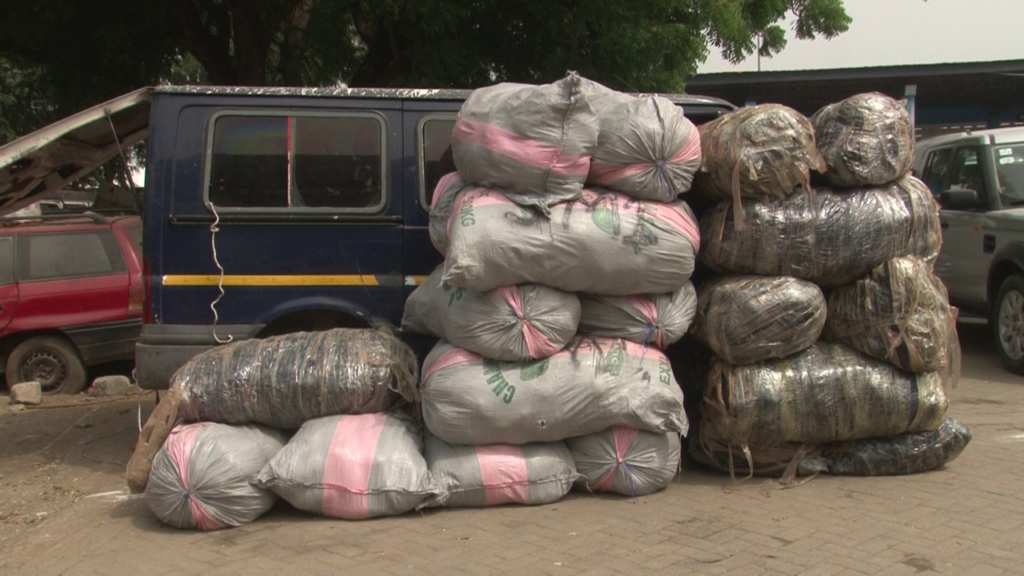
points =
(6, 261)
(52, 256)
(936, 169)
(1009, 160)
(435, 153)
(967, 174)
(297, 161)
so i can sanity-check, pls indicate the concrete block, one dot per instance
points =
(27, 393)
(116, 385)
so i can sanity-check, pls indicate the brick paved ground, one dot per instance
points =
(966, 519)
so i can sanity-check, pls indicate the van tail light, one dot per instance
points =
(147, 296)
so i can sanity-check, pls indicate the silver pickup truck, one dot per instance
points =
(978, 179)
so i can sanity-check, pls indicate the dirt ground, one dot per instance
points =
(56, 453)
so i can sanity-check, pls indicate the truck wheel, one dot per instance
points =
(1008, 323)
(51, 361)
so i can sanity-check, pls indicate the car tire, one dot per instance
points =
(50, 360)
(1008, 323)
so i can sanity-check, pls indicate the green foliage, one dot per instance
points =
(79, 52)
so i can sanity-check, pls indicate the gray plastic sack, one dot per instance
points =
(442, 204)
(202, 476)
(594, 384)
(909, 453)
(900, 312)
(625, 460)
(511, 323)
(826, 393)
(646, 147)
(648, 319)
(534, 141)
(828, 237)
(747, 319)
(760, 152)
(477, 476)
(604, 243)
(283, 381)
(352, 467)
(866, 140)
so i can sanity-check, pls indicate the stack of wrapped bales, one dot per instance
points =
(834, 343)
(227, 420)
(567, 264)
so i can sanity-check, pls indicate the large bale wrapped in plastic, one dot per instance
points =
(866, 140)
(511, 323)
(900, 312)
(283, 381)
(594, 384)
(353, 467)
(646, 146)
(477, 476)
(909, 453)
(604, 243)
(739, 461)
(202, 477)
(534, 141)
(830, 238)
(747, 319)
(826, 393)
(650, 319)
(625, 460)
(760, 152)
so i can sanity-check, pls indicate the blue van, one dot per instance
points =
(277, 210)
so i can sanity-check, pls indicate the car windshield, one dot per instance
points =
(1009, 161)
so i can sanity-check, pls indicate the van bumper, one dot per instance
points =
(162, 349)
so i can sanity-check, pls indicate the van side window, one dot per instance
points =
(435, 141)
(6, 261)
(297, 161)
(52, 256)
(936, 169)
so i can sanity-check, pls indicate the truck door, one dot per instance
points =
(967, 242)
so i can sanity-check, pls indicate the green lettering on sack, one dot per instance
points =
(466, 216)
(665, 373)
(509, 394)
(614, 360)
(496, 379)
(606, 220)
(453, 295)
(534, 370)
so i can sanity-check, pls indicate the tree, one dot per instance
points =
(85, 51)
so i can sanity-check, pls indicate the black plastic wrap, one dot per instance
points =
(897, 455)
(900, 313)
(760, 152)
(866, 140)
(747, 319)
(826, 393)
(286, 380)
(740, 461)
(830, 238)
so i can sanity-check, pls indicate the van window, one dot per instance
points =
(435, 152)
(297, 161)
(52, 256)
(6, 261)
(967, 174)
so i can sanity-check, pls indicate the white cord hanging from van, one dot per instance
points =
(220, 281)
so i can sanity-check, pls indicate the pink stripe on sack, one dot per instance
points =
(451, 358)
(623, 438)
(680, 220)
(537, 344)
(442, 186)
(349, 464)
(179, 447)
(607, 174)
(649, 311)
(504, 474)
(520, 148)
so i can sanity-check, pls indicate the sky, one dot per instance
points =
(893, 32)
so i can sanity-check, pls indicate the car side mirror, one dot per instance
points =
(960, 199)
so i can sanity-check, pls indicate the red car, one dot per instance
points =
(71, 296)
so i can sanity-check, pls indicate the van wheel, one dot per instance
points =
(1008, 323)
(49, 360)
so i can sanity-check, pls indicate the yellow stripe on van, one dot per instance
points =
(271, 280)
(415, 280)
